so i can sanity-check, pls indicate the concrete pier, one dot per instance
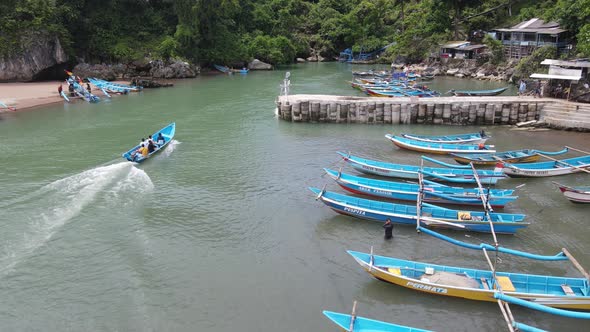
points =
(440, 110)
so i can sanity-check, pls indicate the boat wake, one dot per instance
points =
(171, 147)
(35, 218)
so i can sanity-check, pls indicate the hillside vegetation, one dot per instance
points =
(275, 31)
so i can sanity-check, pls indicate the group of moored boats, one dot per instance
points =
(551, 294)
(77, 89)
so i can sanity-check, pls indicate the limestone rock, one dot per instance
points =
(173, 69)
(300, 60)
(100, 71)
(452, 71)
(259, 65)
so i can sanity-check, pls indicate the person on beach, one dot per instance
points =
(388, 229)
(60, 89)
(71, 89)
(88, 87)
(521, 88)
(538, 89)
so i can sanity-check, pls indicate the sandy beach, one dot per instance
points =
(30, 95)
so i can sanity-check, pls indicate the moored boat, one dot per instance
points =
(493, 92)
(479, 285)
(433, 192)
(167, 133)
(471, 138)
(438, 148)
(514, 156)
(575, 194)
(411, 172)
(223, 69)
(431, 215)
(361, 324)
(548, 168)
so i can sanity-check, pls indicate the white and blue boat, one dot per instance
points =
(470, 138)
(454, 175)
(439, 148)
(433, 192)
(361, 324)
(548, 168)
(168, 134)
(431, 215)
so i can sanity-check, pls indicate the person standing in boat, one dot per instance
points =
(71, 89)
(388, 229)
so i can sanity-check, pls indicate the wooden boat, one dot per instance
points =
(411, 172)
(361, 324)
(82, 92)
(575, 194)
(113, 87)
(548, 168)
(471, 138)
(401, 93)
(493, 92)
(480, 285)
(438, 148)
(3, 106)
(168, 134)
(431, 215)
(240, 71)
(514, 156)
(433, 192)
(222, 69)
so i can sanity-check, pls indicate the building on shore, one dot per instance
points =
(522, 39)
(460, 50)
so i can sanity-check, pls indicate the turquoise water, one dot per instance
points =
(219, 232)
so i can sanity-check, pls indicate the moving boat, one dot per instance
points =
(575, 194)
(438, 148)
(411, 172)
(431, 215)
(479, 285)
(471, 138)
(168, 134)
(514, 156)
(548, 168)
(433, 192)
(361, 324)
(493, 92)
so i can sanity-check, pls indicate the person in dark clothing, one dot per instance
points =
(59, 89)
(88, 87)
(151, 146)
(71, 89)
(388, 229)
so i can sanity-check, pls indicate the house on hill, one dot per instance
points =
(522, 39)
(460, 50)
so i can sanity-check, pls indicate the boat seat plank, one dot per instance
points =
(484, 283)
(567, 290)
(505, 283)
(395, 271)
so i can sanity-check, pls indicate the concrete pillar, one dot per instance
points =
(429, 114)
(446, 115)
(473, 109)
(305, 111)
(296, 112)
(362, 114)
(323, 112)
(513, 117)
(421, 118)
(489, 114)
(396, 114)
(522, 112)
(456, 114)
(497, 113)
(413, 113)
(405, 116)
(379, 113)
(352, 113)
(285, 112)
(481, 112)
(505, 113)
(371, 112)
(333, 112)
(438, 114)
(387, 117)
(532, 114)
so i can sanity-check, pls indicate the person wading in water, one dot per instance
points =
(388, 229)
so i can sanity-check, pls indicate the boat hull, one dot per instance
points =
(575, 195)
(362, 324)
(466, 161)
(436, 148)
(540, 173)
(473, 138)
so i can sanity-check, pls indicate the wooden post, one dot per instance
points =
(576, 264)
(561, 161)
(569, 147)
(486, 204)
(352, 317)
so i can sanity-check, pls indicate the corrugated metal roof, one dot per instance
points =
(575, 64)
(534, 25)
(455, 44)
(551, 31)
(556, 77)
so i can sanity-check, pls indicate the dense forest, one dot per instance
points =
(274, 31)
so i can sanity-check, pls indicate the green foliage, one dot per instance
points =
(496, 48)
(532, 63)
(584, 40)
(275, 50)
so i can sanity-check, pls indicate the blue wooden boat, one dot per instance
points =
(222, 69)
(514, 156)
(439, 148)
(361, 324)
(471, 138)
(433, 192)
(431, 216)
(82, 92)
(113, 87)
(168, 134)
(479, 285)
(548, 168)
(240, 71)
(411, 172)
(493, 92)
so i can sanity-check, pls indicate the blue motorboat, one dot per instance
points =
(167, 133)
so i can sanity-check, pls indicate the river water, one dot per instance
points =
(219, 231)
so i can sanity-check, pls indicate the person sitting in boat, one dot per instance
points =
(481, 146)
(160, 140)
(71, 89)
(151, 146)
(141, 151)
(88, 88)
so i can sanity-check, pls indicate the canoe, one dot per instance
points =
(222, 69)
(362, 324)
(471, 138)
(411, 172)
(82, 92)
(401, 93)
(433, 192)
(479, 285)
(438, 148)
(168, 134)
(548, 168)
(575, 194)
(432, 215)
(240, 71)
(514, 156)
(493, 92)
(113, 87)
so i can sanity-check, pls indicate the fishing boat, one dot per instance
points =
(438, 148)
(431, 215)
(112, 87)
(411, 172)
(222, 69)
(3, 106)
(361, 324)
(168, 134)
(240, 71)
(575, 194)
(493, 92)
(471, 138)
(514, 156)
(480, 285)
(548, 168)
(81, 91)
(433, 192)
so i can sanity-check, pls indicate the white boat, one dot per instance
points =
(548, 168)
(575, 194)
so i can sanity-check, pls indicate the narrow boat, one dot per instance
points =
(575, 194)
(548, 168)
(433, 192)
(82, 92)
(438, 148)
(480, 285)
(361, 324)
(3, 106)
(471, 138)
(514, 156)
(411, 172)
(240, 71)
(431, 215)
(493, 92)
(222, 69)
(168, 134)
(113, 87)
